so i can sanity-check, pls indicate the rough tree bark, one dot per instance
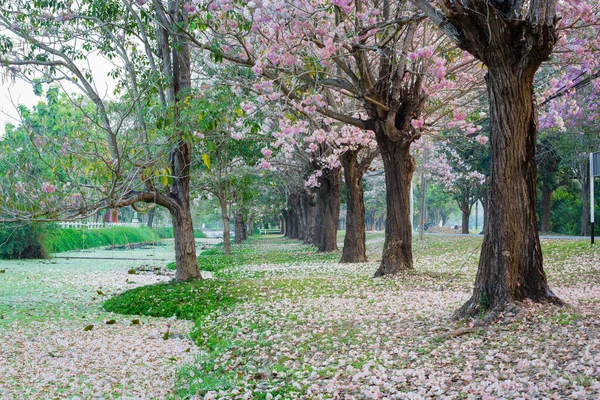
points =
(465, 207)
(181, 155)
(328, 210)
(355, 249)
(512, 46)
(309, 217)
(239, 228)
(399, 166)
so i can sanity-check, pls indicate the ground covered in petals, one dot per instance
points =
(277, 320)
(57, 342)
(306, 328)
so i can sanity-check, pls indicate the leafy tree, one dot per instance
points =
(145, 149)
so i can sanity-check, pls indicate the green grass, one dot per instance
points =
(250, 252)
(189, 300)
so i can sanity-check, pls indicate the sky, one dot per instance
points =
(14, 92)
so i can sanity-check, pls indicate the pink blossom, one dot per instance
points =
(417, 123)
(189, 8)
(264, 164)
(482, 139)
(459, 115)
(267, 152)
(48, 188)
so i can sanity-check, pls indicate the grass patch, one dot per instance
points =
(188, 300)
(251, 252)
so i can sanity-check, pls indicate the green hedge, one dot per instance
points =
(77, 239)
(167, 233)
(40, 240)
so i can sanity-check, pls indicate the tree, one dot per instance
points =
(230, 146)
(145, 148)
(462, 165)
(365, 64)
(512, 42)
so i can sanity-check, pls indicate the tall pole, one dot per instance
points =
(412, 205)
(422, 205)
(592, 197)
(477, 215)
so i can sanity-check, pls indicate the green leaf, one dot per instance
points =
(88, 328)
(206, 160)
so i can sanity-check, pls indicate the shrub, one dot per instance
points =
(25, 240)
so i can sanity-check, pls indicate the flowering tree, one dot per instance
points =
(461, 165)
(512, 39)
(144, 152)
(367, 64)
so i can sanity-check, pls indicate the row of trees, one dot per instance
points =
(317, 90)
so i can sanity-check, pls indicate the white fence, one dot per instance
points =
(99, 225)
(265, 231)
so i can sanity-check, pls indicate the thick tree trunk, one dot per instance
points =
(466, 214)
(285, 223)
(510, 265)
(309, 218)
(399, 167)
(150, 216)
(328, 211)
(239, 228)
(185, 245)
(546, 206)
(354, 250)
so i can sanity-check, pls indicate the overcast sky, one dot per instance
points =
(17, 91)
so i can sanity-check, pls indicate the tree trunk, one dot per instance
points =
(328, 212)
(399, 166)
(185, 245)
(285, 223)
(465, 208)
(239, 226)
(250, 231)
(546, 206)
(510, 265)
(244, 228)
(466, 214)
(354, 250)
(309, 216)
(226, 229)
(150, 216)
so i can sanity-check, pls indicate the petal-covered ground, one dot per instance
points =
(45, 351)
(331, 331)
(307, 328)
